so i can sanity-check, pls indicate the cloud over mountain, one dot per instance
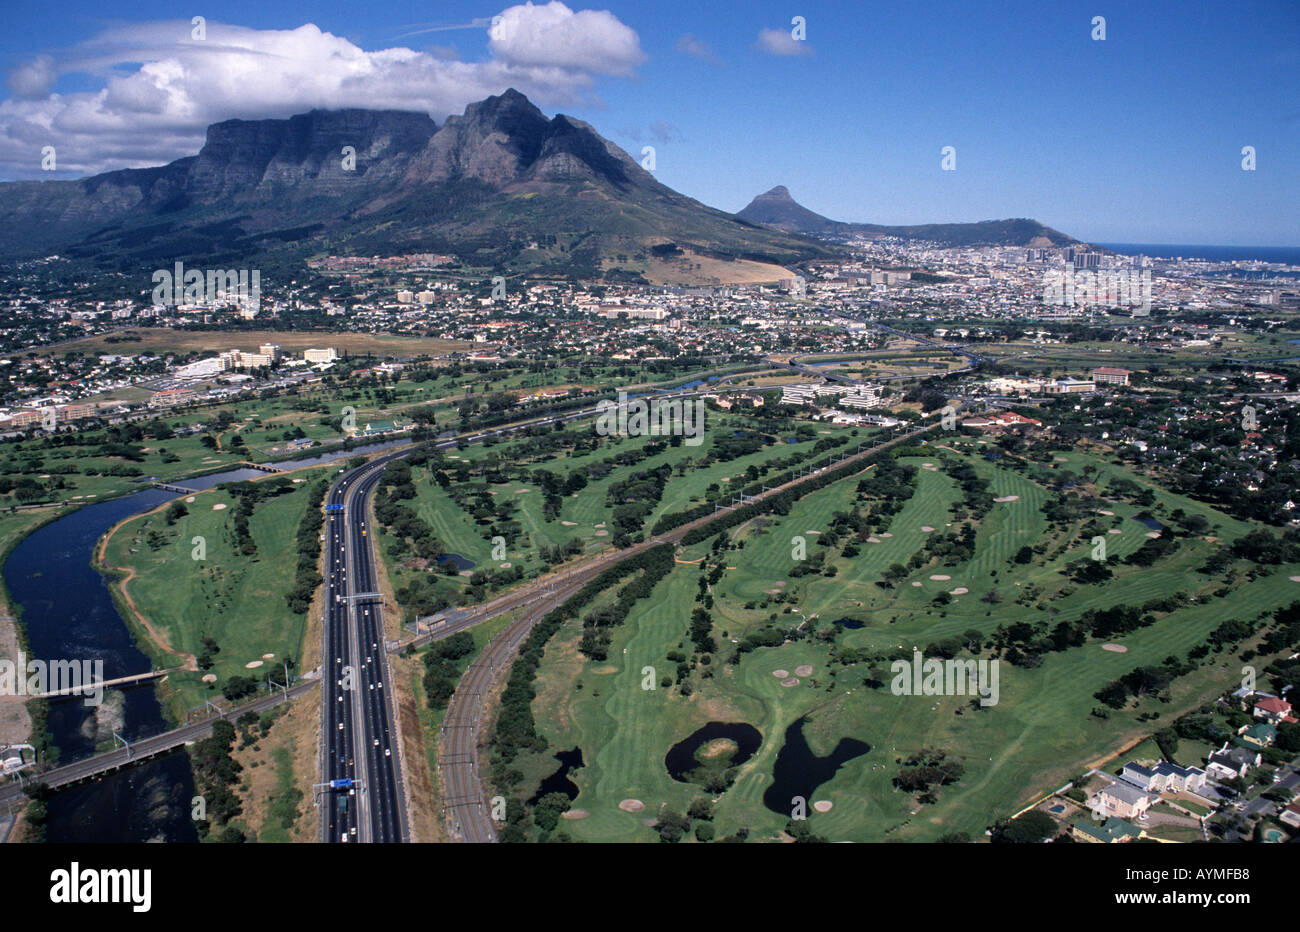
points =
(162, 86)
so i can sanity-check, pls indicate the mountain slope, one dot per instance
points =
(777, 209)
(500, 186)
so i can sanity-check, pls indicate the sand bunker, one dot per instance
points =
(602, 533)
(219, 506)
(1108, 514)
(885, 534)
(1115, 648)
(940, 577)
(1114, 530)
(569, 523)
(792, 681)
(505, 566)
(268, 656)
(521, 491)
(823, 805)
(1008, 498)
(631, 805)
(575, 814)
(209, 677)
(873, 540)
(916, 585)
(803, 670)
(1061, 459)
(252, 664)
(190, 499)
(1294, 578)
(960, 590)
(772, 591)
(812, 532)
(1153, 534)
(926, 528)
(780, 674)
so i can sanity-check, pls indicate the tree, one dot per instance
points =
(1030, 828)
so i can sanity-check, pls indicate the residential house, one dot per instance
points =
(1259, 735)
(1228, 764)
(1273, 710)
(1164, 776)
(1113, 831)
(1121, 799)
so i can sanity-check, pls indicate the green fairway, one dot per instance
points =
(1037, 736)
(236, 600)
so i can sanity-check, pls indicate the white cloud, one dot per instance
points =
(555, 36)
(161, 89)
(780, 42)
(33, 80)
(696, 48)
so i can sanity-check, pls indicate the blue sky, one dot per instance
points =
(1136, 138)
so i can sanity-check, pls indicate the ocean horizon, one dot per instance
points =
(1287, 254)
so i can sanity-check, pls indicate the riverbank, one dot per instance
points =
(15, 719)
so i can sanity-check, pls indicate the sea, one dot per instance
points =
(1288, 254)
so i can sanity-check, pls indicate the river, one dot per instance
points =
(69, 614)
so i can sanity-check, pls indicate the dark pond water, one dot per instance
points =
(681, 759)
(799, 772)
(852, 624)
(559, 781)
(1151, 523)
(461, 563)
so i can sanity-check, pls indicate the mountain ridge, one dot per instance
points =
(777, 209)
(500, 186)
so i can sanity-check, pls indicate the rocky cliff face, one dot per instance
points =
(487, 184)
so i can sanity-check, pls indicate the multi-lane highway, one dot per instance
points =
(356, 716)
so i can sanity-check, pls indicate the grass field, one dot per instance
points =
(1035, 738)
(237, 600)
